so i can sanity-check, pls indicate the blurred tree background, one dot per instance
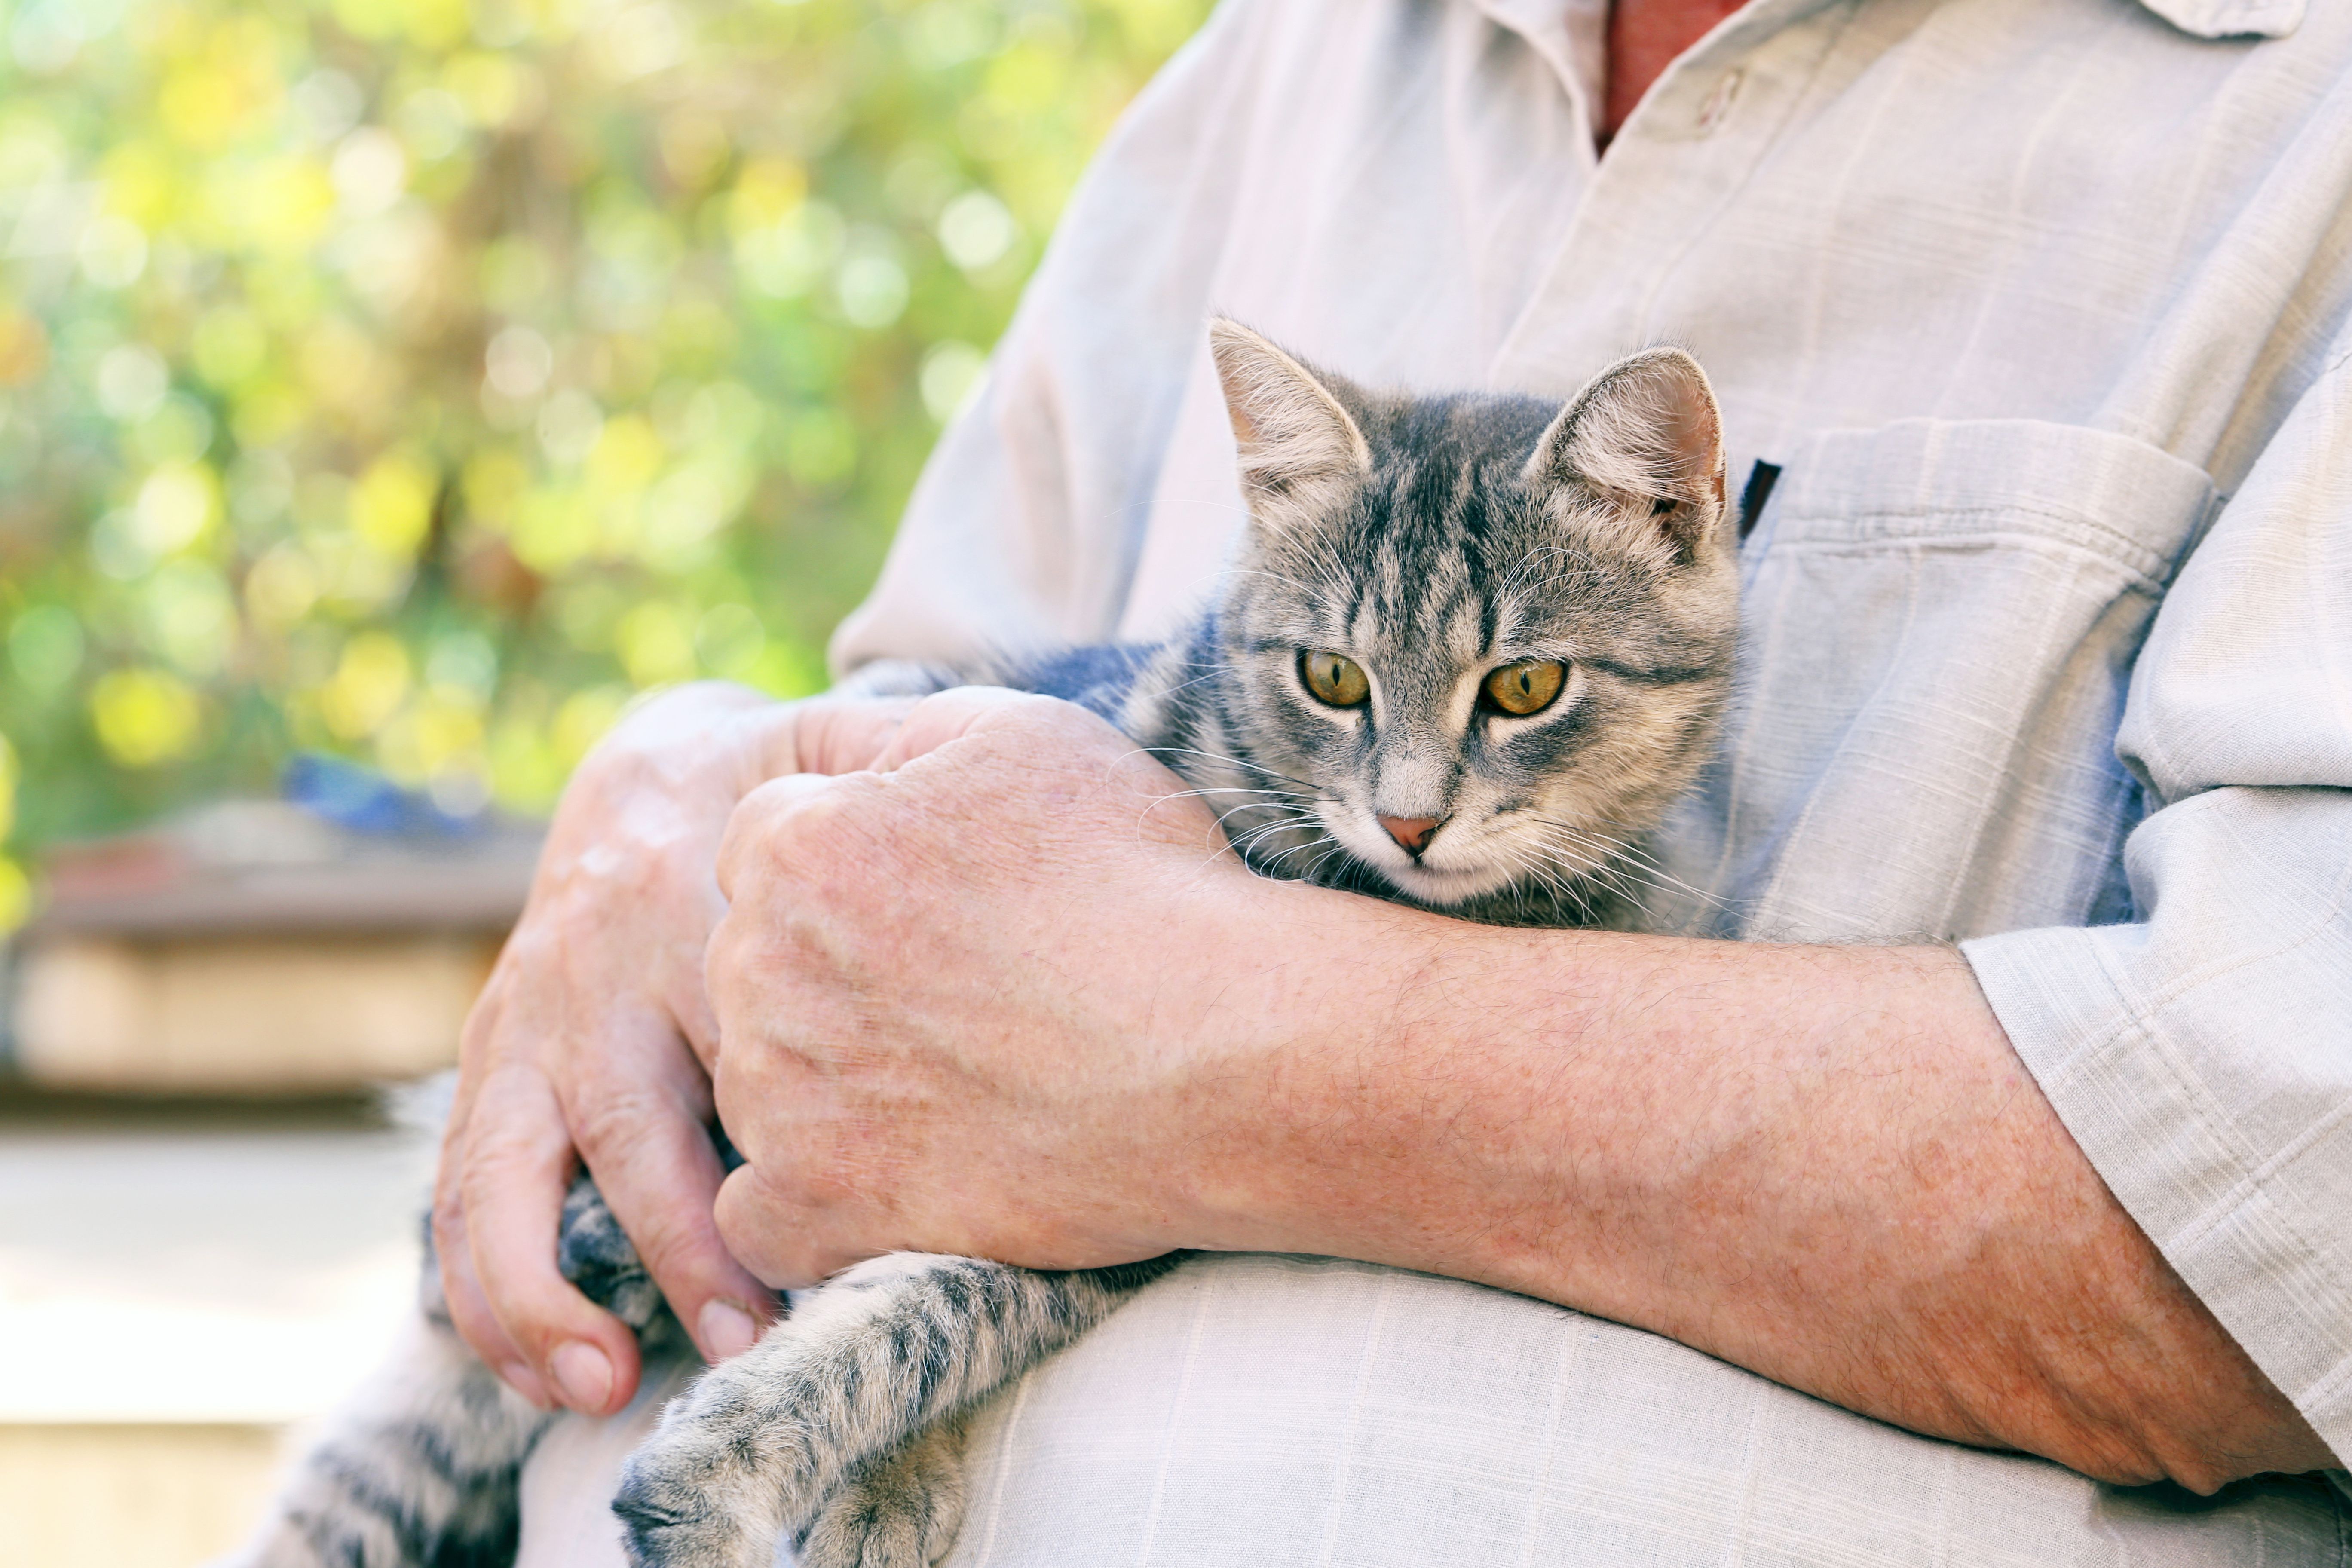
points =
(417, 380)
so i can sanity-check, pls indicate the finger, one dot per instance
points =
(950, 715)
(845, 735)
(653, 1161)
(785, 1240)
(766, 1094)
(470, 1310)
(461, 1289)
(759, 813)
(678, 984)
(1042, 736)
(687, 1000)
(518, 1166)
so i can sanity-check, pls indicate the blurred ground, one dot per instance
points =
(181, 1285)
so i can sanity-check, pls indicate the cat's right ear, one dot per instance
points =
(1294, 435)
(1646, 437)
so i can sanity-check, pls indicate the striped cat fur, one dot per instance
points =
(1472, 650)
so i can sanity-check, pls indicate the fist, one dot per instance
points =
(969, 1001)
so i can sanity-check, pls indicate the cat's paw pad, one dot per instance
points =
(860, 1537)
(902, 1510)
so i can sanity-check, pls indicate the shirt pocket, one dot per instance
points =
(1937, 633)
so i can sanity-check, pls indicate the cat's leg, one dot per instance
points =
(750, 1454)
(419, 1469)
(901, 1510)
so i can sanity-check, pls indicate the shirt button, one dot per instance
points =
(1717, 107)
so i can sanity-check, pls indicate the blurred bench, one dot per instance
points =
(261, 947)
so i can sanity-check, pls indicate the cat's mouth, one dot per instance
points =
(1441, 888)
(1449, 871)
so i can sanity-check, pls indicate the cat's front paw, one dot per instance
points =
(902, 1510)
(691, 1496)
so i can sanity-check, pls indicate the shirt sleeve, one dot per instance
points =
(1029, 519)
(2201, 1055)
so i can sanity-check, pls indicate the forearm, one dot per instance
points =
(1009, 1000)
(1825, 1165)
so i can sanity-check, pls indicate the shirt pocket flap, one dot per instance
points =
(1937, 633)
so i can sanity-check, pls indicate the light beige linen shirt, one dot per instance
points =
(2040, 307)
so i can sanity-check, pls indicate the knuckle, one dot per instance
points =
(500, 1165)
(513, 981)
(472, 1318)
(751, 846)
(530, 947)
(775, 1255)
(619, 1121)
(791, 817)
(723, 960)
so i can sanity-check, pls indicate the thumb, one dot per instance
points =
(953, 714)
(788, 1242)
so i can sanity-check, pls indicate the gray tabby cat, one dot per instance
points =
(1476, 645)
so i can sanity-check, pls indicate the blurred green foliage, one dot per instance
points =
(418, 379)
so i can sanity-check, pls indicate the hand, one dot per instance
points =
(938, 987)
(592, 1042)
(1007, 1000)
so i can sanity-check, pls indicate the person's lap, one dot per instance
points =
(1257, 1409)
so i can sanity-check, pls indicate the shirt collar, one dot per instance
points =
(1544, 21)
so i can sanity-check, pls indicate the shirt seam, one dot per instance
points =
(2141, 578)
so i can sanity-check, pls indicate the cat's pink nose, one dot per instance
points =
(1412, 832)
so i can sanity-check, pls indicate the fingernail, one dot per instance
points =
(525, 1381)
(584, 1374)
(726, 1330)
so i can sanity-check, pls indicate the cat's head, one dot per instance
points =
(1484, 641)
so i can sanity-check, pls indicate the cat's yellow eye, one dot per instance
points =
(1334, 678)
(1528, 686)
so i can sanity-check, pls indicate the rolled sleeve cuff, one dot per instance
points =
(2236, 1208)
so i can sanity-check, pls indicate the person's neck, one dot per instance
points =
(1644, 37)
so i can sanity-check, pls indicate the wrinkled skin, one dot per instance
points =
(591, 1043)
(998, 993)
(1007, 1001)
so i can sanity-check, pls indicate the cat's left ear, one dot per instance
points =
(1294, 435)
(1645, 436)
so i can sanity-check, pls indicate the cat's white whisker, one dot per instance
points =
(1633, 859)
(1320, 836)
(1244, 843)
(1416, 550)
(1232, 762)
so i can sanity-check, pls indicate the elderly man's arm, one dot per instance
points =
(2082, 1194)
(1825, 1165)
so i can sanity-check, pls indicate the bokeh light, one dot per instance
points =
(419, 380)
